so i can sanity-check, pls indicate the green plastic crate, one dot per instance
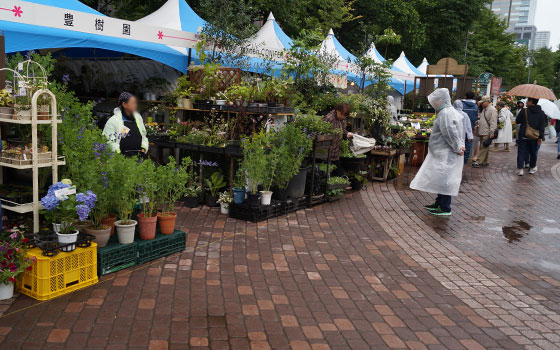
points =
(115, 257)
(162, 245)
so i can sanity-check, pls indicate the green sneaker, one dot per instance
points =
(440, 212)
(432, 207)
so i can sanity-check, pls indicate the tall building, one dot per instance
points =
(542, 39)
(525, 35)
(515, 12)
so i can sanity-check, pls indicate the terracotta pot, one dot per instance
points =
(147, 227)
(110, 221)
(166, 223)
(101, 236)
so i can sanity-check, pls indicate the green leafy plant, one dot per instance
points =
(215, 183)
(255, 163)
(314, 125)
(124, 172)
(225, 198)
(6, 99)
(193, 190)
(338, 180)
(148, 187)
(290, 145)
(172, 181)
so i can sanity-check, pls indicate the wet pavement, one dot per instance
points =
(371, 271)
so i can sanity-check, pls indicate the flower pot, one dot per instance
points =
(296, 187)
(125, 231)
(224, 208)
(102, 235)
(81, 226)
(356, 184)
(280, 194)
(22, 114)
(110, 221)
(147, 226)
(266, 197)
(191, 202)
(166, 223)
(6, 290)
(43, 113)
(239, 195)
(6, 112)
(68, 239)
(187, 103)
(254, 199)
(211, 201)
(179, 102)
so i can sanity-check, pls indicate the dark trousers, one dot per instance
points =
(339, 172)
(444, 202)
(527, 152)
(468, 145)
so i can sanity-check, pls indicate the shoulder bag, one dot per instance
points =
(530, 133)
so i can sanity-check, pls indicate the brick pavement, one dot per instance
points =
(372, 271)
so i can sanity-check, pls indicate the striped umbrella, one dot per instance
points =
(533, 91)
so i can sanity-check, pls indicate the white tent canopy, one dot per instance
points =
(374, 54)
(404, 65)
(269, 40)
(423, 67)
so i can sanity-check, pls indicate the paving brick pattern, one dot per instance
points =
(371, 271)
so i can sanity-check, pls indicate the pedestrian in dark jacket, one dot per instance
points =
(533, 116)
(470, 107)
(557, 127)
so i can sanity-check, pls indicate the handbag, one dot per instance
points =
(530, 133)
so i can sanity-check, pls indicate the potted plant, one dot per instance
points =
(12, 260)
(62, 207)
(239, 184)
(185, 91)
(172, 182)
(147, 219)
(6, 105)
(268, 176)
(291, 145)
(255, 164)
(214, 184)
(225, 200)
(192, 195)
(124, 172)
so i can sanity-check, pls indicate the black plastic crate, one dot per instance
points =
(162, 245)
(256, 214)
(296, 204)
(115, 257)
(187, 146)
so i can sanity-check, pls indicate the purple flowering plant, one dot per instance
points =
(65, 209)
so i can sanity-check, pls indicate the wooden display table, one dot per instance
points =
(384, 157)
(419, 151)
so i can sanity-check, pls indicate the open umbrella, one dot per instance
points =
(549, 108)
(533, 91)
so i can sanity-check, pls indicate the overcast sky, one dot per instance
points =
(547, 19)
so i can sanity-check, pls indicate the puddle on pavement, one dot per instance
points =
(516, 231)
(550, 230)
(549, 265)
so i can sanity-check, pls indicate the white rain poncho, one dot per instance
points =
(361, 145)
(392, 109)
(442, 169)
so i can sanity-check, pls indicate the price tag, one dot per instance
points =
(125, 131)
(65, 192)
(20, 66)
(24, 156)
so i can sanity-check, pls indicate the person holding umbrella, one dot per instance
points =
(532, 122)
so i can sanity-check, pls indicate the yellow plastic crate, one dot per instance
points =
(59, 275)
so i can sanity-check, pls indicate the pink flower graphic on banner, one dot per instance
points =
(160, 35)
(17, 11)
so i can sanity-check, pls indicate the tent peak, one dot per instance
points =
(331, 32)
(271, 17)
(425, 60)
(402, 54)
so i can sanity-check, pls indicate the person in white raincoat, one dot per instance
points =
(505, 134)
(442, 170)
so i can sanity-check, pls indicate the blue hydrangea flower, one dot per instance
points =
(50, 202)
(83, 211)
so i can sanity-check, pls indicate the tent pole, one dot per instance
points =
(2, 61)
(189, 59)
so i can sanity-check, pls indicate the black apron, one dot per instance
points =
(131, 143)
